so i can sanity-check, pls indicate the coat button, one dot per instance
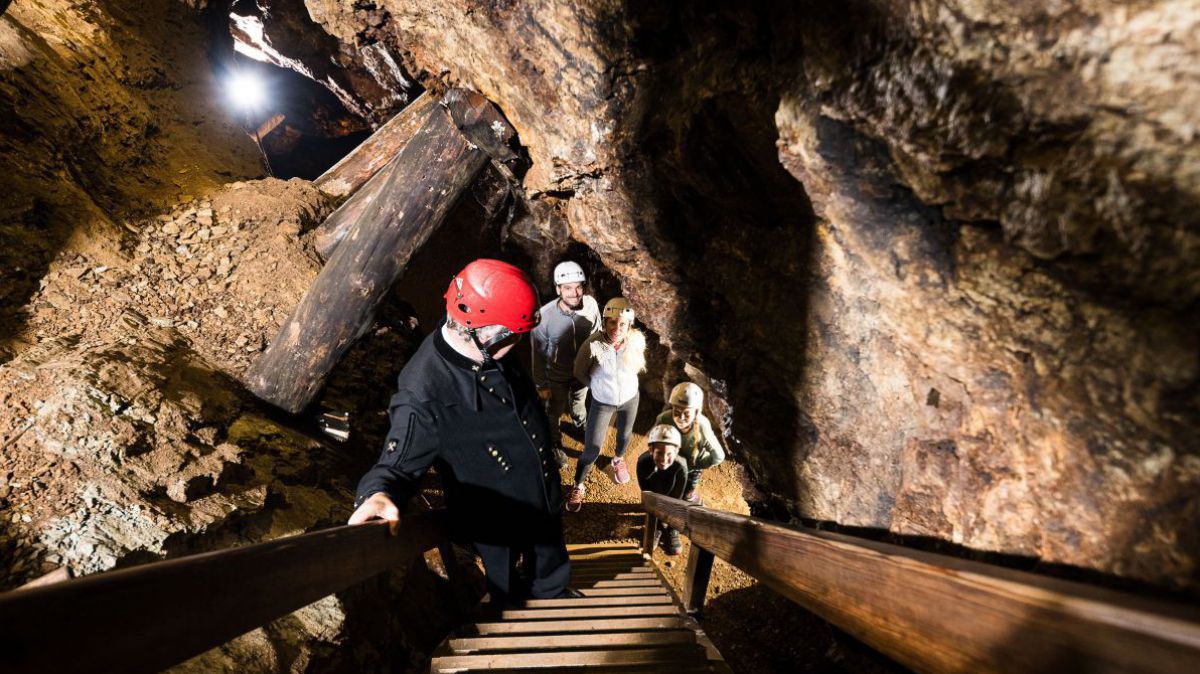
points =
(483, 378)
(491, 390)
(391, 446)
(534, 436)
(524, 422)
(504, 400)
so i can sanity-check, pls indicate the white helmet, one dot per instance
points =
(618, 307)
(687, 394)
(664, 433)
(568, 272)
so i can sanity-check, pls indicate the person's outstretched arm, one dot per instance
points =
(409, 449)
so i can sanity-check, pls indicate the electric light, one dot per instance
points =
(246, 90)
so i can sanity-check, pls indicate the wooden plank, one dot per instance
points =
(617, 574)
(366, 160)
(573, 613)
(649, 528)
(665, 656)
(640, 582)
(326, 237)
(695, 584)
(609, 567)
(623, 591)
(640, 600)
(608, 557)
(149, 617)
(572, 626)
(936, 613)
(56, 576)
(432, 170)
(580, 640)
(624, 545)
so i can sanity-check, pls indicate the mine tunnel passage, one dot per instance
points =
(940, 308)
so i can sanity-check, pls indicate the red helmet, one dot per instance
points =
(491, 292)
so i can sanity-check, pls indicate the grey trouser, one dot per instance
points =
(599, 414)
(565, 396)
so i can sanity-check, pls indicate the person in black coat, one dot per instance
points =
(459, 405)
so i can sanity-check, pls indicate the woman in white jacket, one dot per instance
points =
(608, 363)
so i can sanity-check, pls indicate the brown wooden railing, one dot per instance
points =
(148, 617)
(936, 613)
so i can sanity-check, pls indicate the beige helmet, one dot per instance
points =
(687, 394)
(666, 434)
(618, 307)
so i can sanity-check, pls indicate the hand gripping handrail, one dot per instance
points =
(936, 613)
(145, 618)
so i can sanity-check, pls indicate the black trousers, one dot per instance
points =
(546, 560)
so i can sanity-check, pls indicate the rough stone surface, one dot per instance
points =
(141, 271)
(366, 78)
(963, 315)
(103, 116)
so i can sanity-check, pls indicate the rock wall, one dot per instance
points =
(142, 269)
(938, 257)
(107, 110)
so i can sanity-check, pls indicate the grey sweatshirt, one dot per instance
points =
(557, 337)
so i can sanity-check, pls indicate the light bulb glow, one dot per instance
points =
(245, 90)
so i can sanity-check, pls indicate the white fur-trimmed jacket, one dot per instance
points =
(612, 374)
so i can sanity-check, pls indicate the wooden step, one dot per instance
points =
(634, 591)
(575, 626)
(622, 575)
(639, 600)
(579, 613)
(697, 668)
(575, 548)
(632, 582)
(642, 656)
(593, 640)
(606, 563)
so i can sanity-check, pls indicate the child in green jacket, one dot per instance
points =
(699, 446)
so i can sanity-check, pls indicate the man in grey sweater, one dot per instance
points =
(566, 322)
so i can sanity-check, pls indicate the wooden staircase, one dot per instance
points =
(628, 620)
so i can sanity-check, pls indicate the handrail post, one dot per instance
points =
(695, 588)
(650, 526)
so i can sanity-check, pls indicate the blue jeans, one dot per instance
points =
(598, 416)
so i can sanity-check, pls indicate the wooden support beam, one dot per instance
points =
(649, 526)
(366, 160)
(149, 617)
(936, 613)
(453, 143)
(695, 588)
(326, 237)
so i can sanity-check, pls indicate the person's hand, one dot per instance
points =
(544, 393)
(378, 507)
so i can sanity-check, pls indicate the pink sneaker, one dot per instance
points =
(620, 472)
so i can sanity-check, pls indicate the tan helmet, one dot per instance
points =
(687, 394)
(618, 307)
(666, 434)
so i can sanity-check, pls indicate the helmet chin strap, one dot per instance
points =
(487, 356)
(485, 347)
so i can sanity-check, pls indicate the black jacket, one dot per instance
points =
(668, 482)
(486, 430)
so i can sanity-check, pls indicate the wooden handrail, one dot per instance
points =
(936, 613)
(148, 617)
